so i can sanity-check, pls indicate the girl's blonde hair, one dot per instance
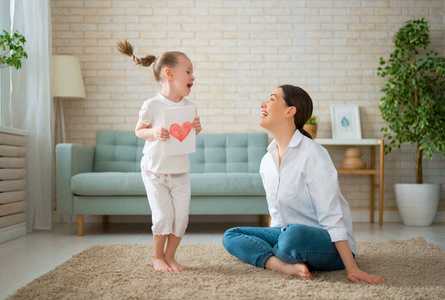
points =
(166, 59)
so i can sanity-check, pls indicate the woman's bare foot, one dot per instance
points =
(161, 265)
(297, 270)
(300, 270)
(174, 264)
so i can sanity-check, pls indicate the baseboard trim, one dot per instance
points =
(389, 216)
(358, 216)
(147, 219)
(12, 232)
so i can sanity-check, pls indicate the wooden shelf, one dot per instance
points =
(372, 171)
(359, 172)
(349, 142)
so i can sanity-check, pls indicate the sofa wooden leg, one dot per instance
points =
(104, 219)
(263, 220)
(80, 225)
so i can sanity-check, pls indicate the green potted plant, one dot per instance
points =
(414, 107)
(13, 51)
(311, 126)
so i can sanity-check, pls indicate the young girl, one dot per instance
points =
(311, 223)
(165, 177)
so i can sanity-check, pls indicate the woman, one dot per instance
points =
(311, 224)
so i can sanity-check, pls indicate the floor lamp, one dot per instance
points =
(67, 83)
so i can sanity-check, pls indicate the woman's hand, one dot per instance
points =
(358, 275)
(354, 273)
(197, 125)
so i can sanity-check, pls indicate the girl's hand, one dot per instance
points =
(358, 275)
(160, 133)
(197, 125)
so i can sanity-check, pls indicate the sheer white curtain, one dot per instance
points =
(31, 107)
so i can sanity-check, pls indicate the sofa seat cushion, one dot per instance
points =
(202, 184)
(226, 184)
(108, 184)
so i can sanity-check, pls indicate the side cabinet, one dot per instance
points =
(12, 183)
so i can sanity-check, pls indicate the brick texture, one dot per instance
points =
(242, 50)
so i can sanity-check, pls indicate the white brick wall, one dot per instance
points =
(242, 50)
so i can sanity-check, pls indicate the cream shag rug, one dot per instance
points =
(414, 270)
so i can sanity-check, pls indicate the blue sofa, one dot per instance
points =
(106, 180)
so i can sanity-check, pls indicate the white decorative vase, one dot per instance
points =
(417, 203)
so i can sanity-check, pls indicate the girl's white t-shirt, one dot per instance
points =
(154, 160)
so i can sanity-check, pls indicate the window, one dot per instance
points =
(4, 72)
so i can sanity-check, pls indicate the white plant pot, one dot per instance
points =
(417, 203)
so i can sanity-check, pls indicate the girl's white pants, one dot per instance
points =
(169, 199)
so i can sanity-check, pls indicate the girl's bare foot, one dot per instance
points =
(300, 270)
(161, 265)
(174, 264)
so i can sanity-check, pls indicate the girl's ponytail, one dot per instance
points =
(126, 48)
(166, 59)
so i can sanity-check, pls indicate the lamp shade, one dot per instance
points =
(67, 81)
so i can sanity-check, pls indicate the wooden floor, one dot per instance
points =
(28, 257)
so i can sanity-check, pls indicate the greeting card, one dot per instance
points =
(178, 121)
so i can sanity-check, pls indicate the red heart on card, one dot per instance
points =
(180, 132)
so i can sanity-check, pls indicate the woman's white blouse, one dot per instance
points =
(305, 189)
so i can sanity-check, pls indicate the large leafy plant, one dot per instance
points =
(13, 51)
(414, 101)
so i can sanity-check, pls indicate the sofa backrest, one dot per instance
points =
(228, 153)
(117, 151)
(121, 151)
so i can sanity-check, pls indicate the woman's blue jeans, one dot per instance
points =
(294, 244)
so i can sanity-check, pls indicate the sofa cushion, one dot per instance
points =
(228, 153)
(121, 151)
(108, 184)
(117, 151)
(224, 184)
(130, 184)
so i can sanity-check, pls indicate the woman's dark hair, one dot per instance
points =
(296, 96)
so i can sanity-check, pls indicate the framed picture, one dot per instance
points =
(345, 121)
